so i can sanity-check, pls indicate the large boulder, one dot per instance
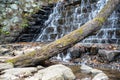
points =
(55, 72)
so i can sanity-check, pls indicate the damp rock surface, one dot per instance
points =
(109, 55)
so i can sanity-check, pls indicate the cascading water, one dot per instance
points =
(50, 32)
(66, 19)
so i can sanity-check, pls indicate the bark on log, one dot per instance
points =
(68, 40)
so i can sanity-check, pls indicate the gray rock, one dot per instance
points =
(28, 5)
(109, 55)
(3, 51)
(4, 66)
(34, 5)
(40, 67)
(75, 52)
(15, 19)
(2, 5)
(86, 79)
(55, 72)
(101, 76)
(17, 73)
(96, 71)
(85, 69)
(9, 10)
(5, 22)
(3, 58)
(31, 10)
(29, 1)
(14, 6)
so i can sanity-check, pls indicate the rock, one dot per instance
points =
(9, 10)
(3, 51)
(17, 73)
(85, 69)
(9, 77)
(27, 5)
(95, 71)
(101, 76)
(4, 66)
(40, 67)
(17, 53)
(86, 79)
(75, 52)
(34, 5)
(3, 58)
(55, 72)
(15, 19)
(14, 6)
(108, 55)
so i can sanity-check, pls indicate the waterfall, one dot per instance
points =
(50, 32)
(66, 19)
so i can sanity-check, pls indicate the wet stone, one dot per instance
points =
(59, 29)
(44, 37)
(109, 55)
(49, 30)
(53, 36)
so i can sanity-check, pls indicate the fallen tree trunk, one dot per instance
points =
(68, 40)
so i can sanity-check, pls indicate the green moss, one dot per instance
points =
(31, 54)
(24, 23)
(11, 60)
(4, 32)
(101, 20)
(81, 31)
